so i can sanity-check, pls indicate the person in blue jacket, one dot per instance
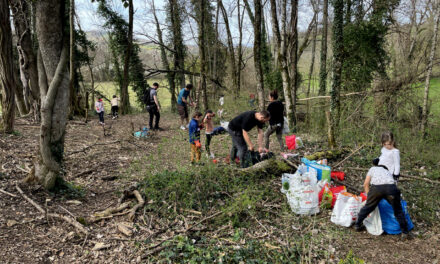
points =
(194, 137)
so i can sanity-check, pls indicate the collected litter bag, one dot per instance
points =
(389, 222)
(346, 209)
(325, 196)
(141, 134)
(373, 222)
(322, 171)
(302, 194)
(291, 142)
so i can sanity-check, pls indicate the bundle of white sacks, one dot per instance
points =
(302, 192)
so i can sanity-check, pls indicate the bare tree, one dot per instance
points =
(7, 77)
(293, 62)
(54, 90)
(73, 95)
(27, 57)
(429, 70)
(125, 98)
(281, 51)
(257, 53)
(165, 63)
(232, 62)
(202, 52)
(323, 68)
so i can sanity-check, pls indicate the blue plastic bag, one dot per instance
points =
(389, 222)
(322, 170)
(141, 134)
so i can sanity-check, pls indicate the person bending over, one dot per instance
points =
(239, 127)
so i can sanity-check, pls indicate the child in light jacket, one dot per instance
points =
(99, 107)
(390, 155)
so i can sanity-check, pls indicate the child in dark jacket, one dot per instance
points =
(194, 137)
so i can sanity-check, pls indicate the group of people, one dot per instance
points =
(99, 107)
(380, 182)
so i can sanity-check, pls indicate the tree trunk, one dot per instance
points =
(23, 107)
(239, 48)
(312, 64)
(177, 39)
(165, 62)
(73, 95)
(257, 54)
(323, 68)
(294, 57)
(231, 49)
(429, 70)
(280, 48)
(125, 99)
(27, 57)
(202, 52)
(338, 53)
(7, 77)
(54, 89)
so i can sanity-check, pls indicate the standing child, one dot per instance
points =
(390, 155)
(115, 106)
(99, 106)
(276, 122)
(194, 137)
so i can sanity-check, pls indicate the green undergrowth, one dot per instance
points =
(234, 192)
(243, 201)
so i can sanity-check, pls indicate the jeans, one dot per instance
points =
(101, 116)
(269, 131)
(208, 142)
(392, 195)
(239, 147)
(153, 111)
(115, 110)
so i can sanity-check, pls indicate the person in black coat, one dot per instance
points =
(276, 110)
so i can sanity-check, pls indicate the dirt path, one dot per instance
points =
(100, 167)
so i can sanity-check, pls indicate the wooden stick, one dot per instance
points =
(351, 154)
(69, 220)
(39, 208)
(140, 204)
(8, 193)
(401, 175)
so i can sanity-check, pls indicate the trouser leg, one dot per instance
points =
(208, 143)
(101, 117)
(374, 197)
(193, 153)
(279, 131)
(267, 134)
(150, 112)
(394, 199)
(157, 114)
(198, 154)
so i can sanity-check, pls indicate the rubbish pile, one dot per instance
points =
(310, 190)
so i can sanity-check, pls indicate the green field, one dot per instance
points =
(108, 89)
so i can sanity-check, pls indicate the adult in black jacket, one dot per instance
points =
(239, 127)
(276, 110)
(153, 107)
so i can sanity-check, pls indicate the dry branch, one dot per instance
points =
(141, 203)
(351, 154)
(108, 213)
(69, 220)
(8, 193)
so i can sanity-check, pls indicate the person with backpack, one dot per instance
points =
(153, 106)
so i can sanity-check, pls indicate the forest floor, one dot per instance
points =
(100, 168)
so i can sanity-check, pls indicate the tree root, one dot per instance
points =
(114, 211)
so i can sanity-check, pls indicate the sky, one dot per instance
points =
(143, 20)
